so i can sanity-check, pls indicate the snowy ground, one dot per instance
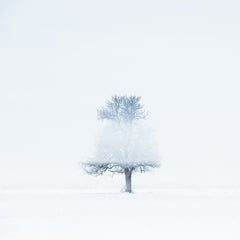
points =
(155, 214)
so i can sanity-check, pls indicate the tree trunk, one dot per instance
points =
(128, 178)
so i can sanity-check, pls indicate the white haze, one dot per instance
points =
(125, 143)
(60, 60)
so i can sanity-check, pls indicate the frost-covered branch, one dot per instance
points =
(96, 168)
(122, 109)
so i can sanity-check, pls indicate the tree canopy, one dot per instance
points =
(122, 109)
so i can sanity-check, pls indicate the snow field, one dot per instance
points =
(157, 214)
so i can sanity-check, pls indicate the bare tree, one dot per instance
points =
(125, 145)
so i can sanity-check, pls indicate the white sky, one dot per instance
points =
(61, 59)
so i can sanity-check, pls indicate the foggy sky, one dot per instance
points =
(60, 60)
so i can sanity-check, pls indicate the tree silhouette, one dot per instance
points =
(125, 145)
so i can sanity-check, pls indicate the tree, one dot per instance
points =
(125, 145)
